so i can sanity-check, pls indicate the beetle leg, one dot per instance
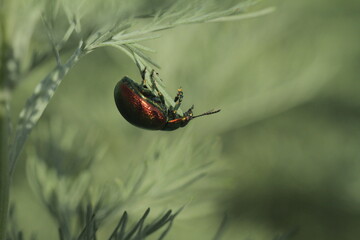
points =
(178, 99)
(143, 72)
(179, 96)
(154, 87)
(171, 112)
(189, 112)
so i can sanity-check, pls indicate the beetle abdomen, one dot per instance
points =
(135, 108)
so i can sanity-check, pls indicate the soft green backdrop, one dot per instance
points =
(288, 86)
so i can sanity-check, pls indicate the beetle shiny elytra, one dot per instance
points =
(146, 108)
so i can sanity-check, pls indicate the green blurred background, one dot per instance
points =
(288, 87)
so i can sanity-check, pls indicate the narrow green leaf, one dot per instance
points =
(36, 104)
(158, 224)
(243, 16)
(138, 225)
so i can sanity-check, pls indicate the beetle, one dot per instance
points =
(146, 108)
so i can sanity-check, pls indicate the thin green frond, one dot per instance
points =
(142, 230)
(37, 103)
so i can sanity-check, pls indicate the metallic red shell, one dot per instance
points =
(136, 108)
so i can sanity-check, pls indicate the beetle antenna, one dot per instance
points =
(207, 113)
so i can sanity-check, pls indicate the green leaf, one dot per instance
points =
(36, 104)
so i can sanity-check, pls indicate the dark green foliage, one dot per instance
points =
(138, 231)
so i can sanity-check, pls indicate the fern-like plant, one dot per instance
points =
(72, 30)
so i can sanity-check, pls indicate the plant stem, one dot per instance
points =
(37, 103)
(4, 170)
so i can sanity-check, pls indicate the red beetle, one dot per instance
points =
(146, 108)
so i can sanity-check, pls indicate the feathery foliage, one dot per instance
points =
(73, 29)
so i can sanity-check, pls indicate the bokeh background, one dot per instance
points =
(289, 132)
